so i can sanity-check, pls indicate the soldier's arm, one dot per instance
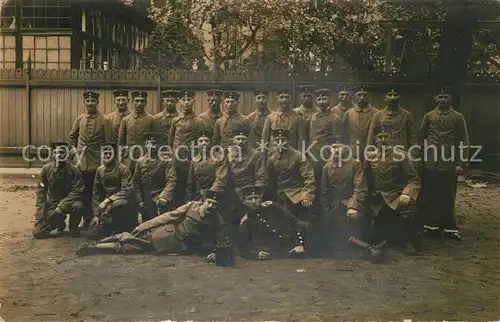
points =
(371, 131)
(41, 194)
(345, 128)
(171, 135)
(127, 185)
(266, 135)
(137, 179)
(424, 129)
(169, 217)
(411, 137)
(360, 191)
(307, 173)
(303, 135)
(262, 177)
(109, 131)
(192, 183)
(97, 192)
(122, 133)
(217, 130)
(74, 132)
(221, 174)
(326, 195)
(76, 192)
(170, 180)
(462, 136)
(310, 129)
(413, 183)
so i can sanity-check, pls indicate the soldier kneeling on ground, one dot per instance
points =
(181, 231)
(59, 193)
(268, 228)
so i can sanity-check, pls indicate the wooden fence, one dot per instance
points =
(39, 106)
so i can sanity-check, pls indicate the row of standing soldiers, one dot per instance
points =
(310, 187)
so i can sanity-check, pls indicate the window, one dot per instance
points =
(7, 52)
(52, 14)
(8, 14)
(47, 52)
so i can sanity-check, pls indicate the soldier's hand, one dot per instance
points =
(162, 202)
(404, 200)
(211, 257)
(459, 169)
(245, 218)
(263, 255)
(58, 211)
(352, 213)
(103, 205)
(297, 250)
(306, 203)
(94, 222)
(266, 203)
(142, 204)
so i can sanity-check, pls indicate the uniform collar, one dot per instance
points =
(392, 112)
(262, 112)
(280, 111)
(170, 114)
(122, 114)
(138, 115)
(92, 116)
(342, 107)
(188, 115)
(444, 111)
(362, 110)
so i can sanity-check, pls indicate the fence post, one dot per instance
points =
(28, 107)
(158, 88)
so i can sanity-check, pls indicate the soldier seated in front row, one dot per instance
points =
(59, 192)
(154, 179)
(268, 228)
(181, 231)
(114, 206)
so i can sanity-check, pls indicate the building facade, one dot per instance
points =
(72, 34)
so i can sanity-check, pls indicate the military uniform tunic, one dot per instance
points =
(306, 114)
(132, 131)
(257, 119)
(340, 110)
(224, 127)
(324, 127)
(164, 121)
(153, 179)
(115, 119)
(356, 125)
(207, 173)
(209, 119)
(443, 129)
(248, 170)
(58, 187)
(285, 119)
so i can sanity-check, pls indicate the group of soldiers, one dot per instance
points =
(260, 192)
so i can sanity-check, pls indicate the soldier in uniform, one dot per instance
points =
(88, 134)
(258, 118)
(267, 228)
(59, 192)
(114, 205)
(341, 182)
(285, 118)
(214, 112)
(181, 231)
(324, 126)
(115, 118)
(133, 128)
(233, 119)
(357, 123)
(154, 179)
(306, 109)
(183, 138)
(393, 186)
(208, 170)
(345, 103)
(295, 185)
(442, 132)
(401, 120)
(164, 118)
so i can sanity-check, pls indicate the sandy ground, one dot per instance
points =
(43, 280)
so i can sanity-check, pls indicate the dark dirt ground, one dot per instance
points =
(43, 280)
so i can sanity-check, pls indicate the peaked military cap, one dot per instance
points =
(90, 94)
(261, 92)
(55, 145)
(283, 90)
(170, 93)
(120, 92)
(280, 133)
(323, 92)
(143, 94)
(344, 88)
(206, 134)
(232, 94)
(110, 144)
(338, 140)
(393, 94)
(187, 93)
(240, 131)
(361, 89)
(248, 191)
(215, 92)
(152, 136)
(307, 89)
(445, 90)
(384, 128)
(211, 194)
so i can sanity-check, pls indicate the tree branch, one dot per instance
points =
(249, 42)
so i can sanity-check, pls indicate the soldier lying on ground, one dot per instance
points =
(268, 228)
(59, 193)
(181, 231)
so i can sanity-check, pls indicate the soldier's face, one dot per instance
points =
(362, 98)
(443, 99)
(279, 144)
(187, 104)
(169, 103)
(383, 139)
(214, 102)
(60, 154)
(307, 99)
(108, 155)
(121, 102)
(284, 100)
(344, 96)
(91, 104)
(240, 140)
(150, 144)
(338, 150)
(252, 202)
(392, 99)
(231, 104)
(203, 142)
(140, 104)
(323, 102)
(261, 100)
(210, 205)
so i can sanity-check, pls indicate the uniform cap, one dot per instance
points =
(211, 194)
(187, 93)
(205, 134)
(338, 140)
(323, 92)
(232, 94)
(283, 90)
(55, 145)
(120, 92)
(110, 144)
(152, 136)
(90, 94)
(307, 89)
(263, 92)
(384, 128)
(170, 93)
(139, 94)
(240, 131)
(280, 133)
(248, 191)
(361, 89)
(215, 92)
